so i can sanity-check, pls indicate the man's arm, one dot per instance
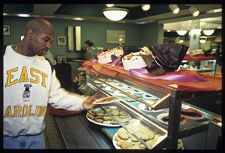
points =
(60, 98)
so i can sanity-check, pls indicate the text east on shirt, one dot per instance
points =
(29, 85)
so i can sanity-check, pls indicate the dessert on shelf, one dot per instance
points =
(109, 55)
(135, 60)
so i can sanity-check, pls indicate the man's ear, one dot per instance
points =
(30, 34)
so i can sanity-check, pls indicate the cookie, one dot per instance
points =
(99, 120)
(125, 145)
(91, 113)
(90, 116)
(107, 118)
(115, 112)
(123, 116)
(107, 122)
(108, 110)
(150, 143)
(150, 134)
(117, 138)
(144, 137)
(99, 114)
(114, 122)
(142, 146)
(122, 133)
(134, 147)
(99, 117)
(133, 139)
(122, 113)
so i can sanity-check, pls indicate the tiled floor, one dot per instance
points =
(52, 137)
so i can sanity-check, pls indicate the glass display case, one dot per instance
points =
(146, 117)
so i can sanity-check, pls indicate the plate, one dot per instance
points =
(143, 108)
(160, 116)
(102, 124)
(159, 139)
(105, 100)
(122, 120)
(192, 117)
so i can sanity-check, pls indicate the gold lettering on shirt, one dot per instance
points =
(36, 110)
(34, 76)
(17, 111)
(32, 72)
(10, 76)
(8, 111)
(24, 75)
(44, 76)
(42, 110)
(26, 110)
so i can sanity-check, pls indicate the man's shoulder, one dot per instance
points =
(46, 61)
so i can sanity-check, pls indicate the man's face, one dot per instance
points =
(41, 42)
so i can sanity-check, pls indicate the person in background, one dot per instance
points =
(90, 50)
(30, 85)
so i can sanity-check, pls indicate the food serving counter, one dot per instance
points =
(140, 117)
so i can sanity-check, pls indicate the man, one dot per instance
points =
(29, 85)
(90, 50)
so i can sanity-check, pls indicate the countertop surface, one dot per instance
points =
(78, 133)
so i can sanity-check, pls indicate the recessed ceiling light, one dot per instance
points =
(4, 14)
(79, 19)
(145, 7)
(174, 8)
(194, 11)
(109, 5)
(23, 15)
(217, 10)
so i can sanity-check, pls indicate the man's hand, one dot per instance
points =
(88, 103)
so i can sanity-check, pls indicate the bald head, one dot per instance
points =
(38, 37)
(39, 25)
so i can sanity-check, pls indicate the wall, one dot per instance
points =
(137, 35)
(151, 33)
(90, 30)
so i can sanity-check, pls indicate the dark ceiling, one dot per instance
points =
(157, 12)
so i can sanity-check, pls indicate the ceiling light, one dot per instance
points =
(208, 32)
(181, 32)
(141, 22)
(4, 14)
(23, 15)
(109, 5)
(115, 14)
(174, 8)
(202, 41)
(217, 10)
(181, 41)
(194, 11)
(79, 19)
(145, 7)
